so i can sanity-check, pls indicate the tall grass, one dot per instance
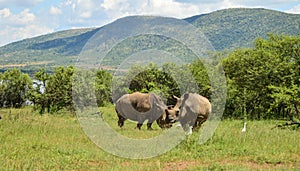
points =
(30, 141)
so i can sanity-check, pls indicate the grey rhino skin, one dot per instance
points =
(140, 107)
(194, 110)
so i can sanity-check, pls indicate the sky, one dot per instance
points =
(21, 19)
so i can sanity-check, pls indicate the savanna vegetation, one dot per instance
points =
(262, 87)
(30, 141)
(262, 82)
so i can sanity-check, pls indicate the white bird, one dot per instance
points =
(244, 129)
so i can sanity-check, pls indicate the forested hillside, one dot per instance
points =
(225, 29)
(236, 28)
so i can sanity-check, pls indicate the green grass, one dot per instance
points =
(30, 141)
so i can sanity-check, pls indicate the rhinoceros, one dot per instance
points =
(194, 110)
(140, 107)
(166, 121)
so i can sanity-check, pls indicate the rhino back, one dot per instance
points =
(197, 104)
(204, 105)
(125, 109)
(140, 101)
(135, 106)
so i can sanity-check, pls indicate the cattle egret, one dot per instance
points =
(244, 129)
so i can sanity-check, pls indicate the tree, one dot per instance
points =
(152, 79)
(265, 79)
(201, 77)
(82, 93)
(103, 87)
(57, 90)
(14, 88)
(285, 93)
(38, 94)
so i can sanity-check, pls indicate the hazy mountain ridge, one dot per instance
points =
(71, 45)
(235, 28)
(226, 29)
(27, 43)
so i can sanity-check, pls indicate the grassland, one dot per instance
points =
(29, 141)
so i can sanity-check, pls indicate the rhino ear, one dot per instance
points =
(185, 96)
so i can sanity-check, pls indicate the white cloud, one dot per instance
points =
(81, 8)
(4, 13)
(170, 8)
(68, 2)
(19, 33)
(85, 8)
(25, 17)
(294, 10)
(19, 3)
(115, 4)
(55, 10)
(15, 27)
(82, 13)
(87, 14)
(86, 4)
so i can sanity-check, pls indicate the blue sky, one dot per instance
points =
(20, 19)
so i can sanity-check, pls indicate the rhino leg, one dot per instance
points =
(201, 120)
(149, 126)
(121, 121)
(138, 126)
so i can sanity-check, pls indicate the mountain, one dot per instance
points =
(236, 28)
(225, 29)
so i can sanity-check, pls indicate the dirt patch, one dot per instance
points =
(26, 64)
(182, 165)
(95, 163)
(105, 67)
(222, 164)
(247, 163)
